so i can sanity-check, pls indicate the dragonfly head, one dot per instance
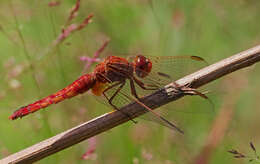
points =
(142, 66)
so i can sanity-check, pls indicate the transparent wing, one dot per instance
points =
(123, 98)
(119, 100)
(166, 69)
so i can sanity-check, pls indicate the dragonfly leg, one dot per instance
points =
(110, 100)
(188, 90)
(133, 90)
(143, 86)
(192, 91)
(162, 119)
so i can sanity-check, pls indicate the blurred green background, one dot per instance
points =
(211, 29)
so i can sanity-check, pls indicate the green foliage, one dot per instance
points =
(210, 29)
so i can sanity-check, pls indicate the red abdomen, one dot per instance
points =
(81, 85)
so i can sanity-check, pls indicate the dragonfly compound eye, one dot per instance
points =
(142, 66)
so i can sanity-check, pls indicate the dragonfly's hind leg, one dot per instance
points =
(110, 100)
(162, 119)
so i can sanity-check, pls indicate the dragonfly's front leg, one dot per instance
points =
(187, 90)
(176, 88)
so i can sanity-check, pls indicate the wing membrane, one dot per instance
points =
(166, 69)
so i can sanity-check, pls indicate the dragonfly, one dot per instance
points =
(122, 80)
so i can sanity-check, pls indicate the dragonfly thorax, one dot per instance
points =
(113, 69)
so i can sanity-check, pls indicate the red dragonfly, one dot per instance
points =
(117, 76)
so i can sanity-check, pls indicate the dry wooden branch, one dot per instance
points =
(110, 120)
